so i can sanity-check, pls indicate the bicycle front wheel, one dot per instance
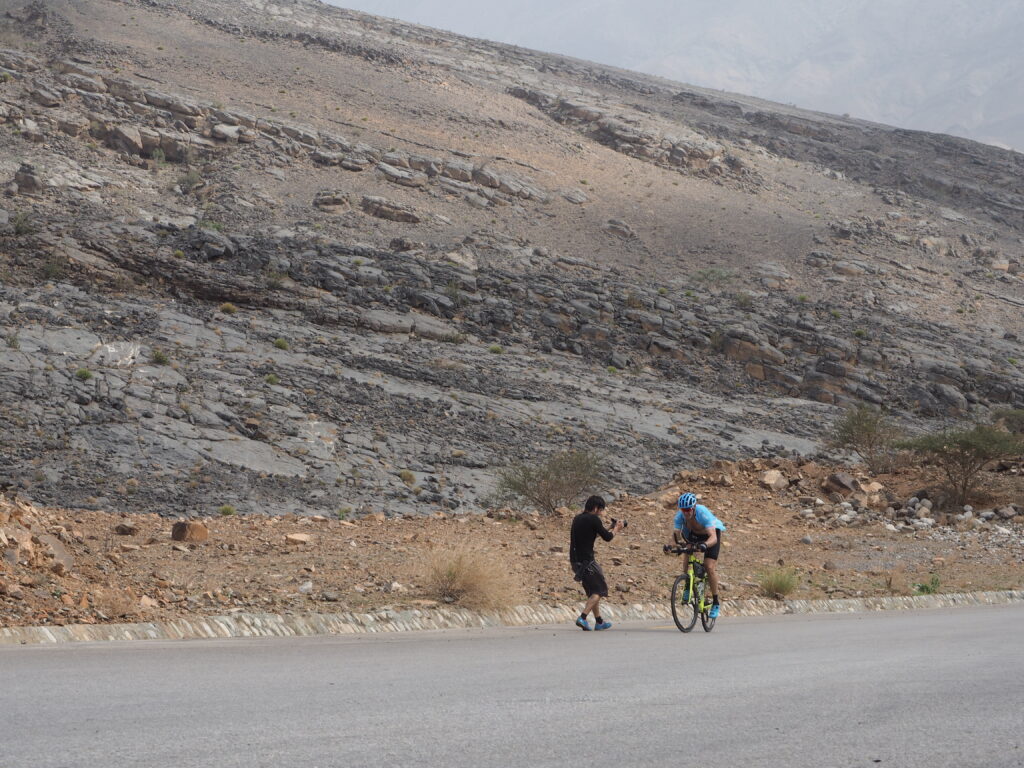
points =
(684, 614)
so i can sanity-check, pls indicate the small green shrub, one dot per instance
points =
(802, 298)
(23, 224)
(407, 476)
(612, 369)
(83, 374)
(228, 308)
(281, 343)
(226, 510)
(744, 300)
(179, 254)
(12, 341)
(190, 179)
(496, 349)
(272, 379)
(860, 333)
(930, 587)
(344, 513)
(555, 481)
(963, 453)
(159, 357)
(869, 433)
(777, 583)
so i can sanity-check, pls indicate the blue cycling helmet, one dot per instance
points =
(687, 501)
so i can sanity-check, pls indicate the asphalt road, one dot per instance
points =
(929, 688)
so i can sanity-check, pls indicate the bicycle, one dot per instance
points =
(694, 585)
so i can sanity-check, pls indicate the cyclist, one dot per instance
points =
(696, 524)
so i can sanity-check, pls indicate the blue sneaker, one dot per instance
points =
(714, 612)
(583, 624)
(603, 625)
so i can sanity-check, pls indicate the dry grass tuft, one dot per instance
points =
(778, 582)
(469, 578)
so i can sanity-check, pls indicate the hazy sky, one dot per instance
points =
(952, 66)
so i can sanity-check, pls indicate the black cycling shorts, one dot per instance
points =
(712, 553)
(591, 577)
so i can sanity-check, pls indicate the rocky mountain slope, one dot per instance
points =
(290, 258)
(935, 65)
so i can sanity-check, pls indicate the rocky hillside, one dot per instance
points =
(290, 258)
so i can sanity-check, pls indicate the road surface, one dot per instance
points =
(901, 689)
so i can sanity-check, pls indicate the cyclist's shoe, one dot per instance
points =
(603, 625)
(686, 596)
(583, 624)
(714, 611)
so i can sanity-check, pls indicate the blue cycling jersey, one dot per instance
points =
(704, 516)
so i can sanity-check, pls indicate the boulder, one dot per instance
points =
(298, 538)
(386, 209)
(126, 138)
(774, 480)
(190, 530)
(842, 483)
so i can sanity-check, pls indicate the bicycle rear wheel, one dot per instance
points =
(705, 619)
(683, 614)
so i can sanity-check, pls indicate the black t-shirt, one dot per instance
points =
(586, 527)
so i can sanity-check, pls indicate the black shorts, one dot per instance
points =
(712, 553)
(591, 577)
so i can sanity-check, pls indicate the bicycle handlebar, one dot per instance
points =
(685, 550)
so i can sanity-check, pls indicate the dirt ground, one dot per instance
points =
(76, 568)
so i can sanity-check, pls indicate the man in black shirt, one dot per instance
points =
(586, 527)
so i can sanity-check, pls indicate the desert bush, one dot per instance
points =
(778, 582)
(466, 577)
(190, 179)
(929, 587)
(228, 308)
(159, 357)
(83, 374)
(23, 224)
(226, 510)
(553, 482)
(870, 434)
(280, 343)
(962, 454)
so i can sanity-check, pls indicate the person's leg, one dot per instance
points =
(712, 565)
(593, 605)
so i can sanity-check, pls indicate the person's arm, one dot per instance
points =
(712, 537)
(604, 532)
(677, 530)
